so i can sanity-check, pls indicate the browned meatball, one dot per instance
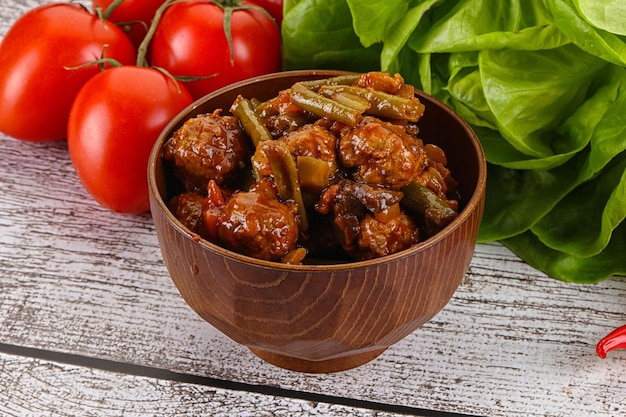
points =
(187, 207)
(209, 146)
(382, 153)
(379, 238)
(254, 224)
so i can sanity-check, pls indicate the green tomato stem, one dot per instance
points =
(107, 13)
(142, 51)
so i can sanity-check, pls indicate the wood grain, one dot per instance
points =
(77, 279)
(33, 387)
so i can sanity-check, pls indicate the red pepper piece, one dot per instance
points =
(614, 340)
(212, 208)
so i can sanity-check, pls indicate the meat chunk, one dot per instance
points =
(209, 146)
(255, 224)
(187, 208)
(381, 81)
(383, 153)
(368, 221)
(380, 238)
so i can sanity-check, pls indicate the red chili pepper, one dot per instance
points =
(614, 340)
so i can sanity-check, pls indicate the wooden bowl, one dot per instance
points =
(331, 317)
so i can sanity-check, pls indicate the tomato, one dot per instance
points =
(273, 7)
(134, 16)
(115, 120)
(38, 81)
(190, 41)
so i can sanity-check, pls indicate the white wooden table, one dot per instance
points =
(90, 324)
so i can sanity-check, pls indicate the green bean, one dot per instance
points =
(286, 177)
(323, 106)
(436, 212)
(313, 173)
(352, 101)
(382, 104)
(251, 123)
(345, 79)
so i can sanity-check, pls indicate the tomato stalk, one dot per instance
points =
(230, 6)
(142, 51)
(107, 13)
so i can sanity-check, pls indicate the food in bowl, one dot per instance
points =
(329, 169)
(325, 316)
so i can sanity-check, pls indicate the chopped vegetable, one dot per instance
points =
(250, 122)
(381, 103)
(324, 107)
(437, 212)
(313, 173)
(286, 178)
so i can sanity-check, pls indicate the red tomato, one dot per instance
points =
(36, 87)
(273, 7)
(190, 41)
(115, 120)
(134, 15)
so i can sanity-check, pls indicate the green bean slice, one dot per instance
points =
(251, 123)
(286, 178)
(436, 212)
(345, 79)
(382, 104)
(323, 106)
(313, 173)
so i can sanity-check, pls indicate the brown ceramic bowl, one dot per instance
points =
(330, 317)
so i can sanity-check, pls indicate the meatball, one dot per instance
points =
(257, 225)
(209, 146)
(379, 238)
(187, 207)
(383, 153)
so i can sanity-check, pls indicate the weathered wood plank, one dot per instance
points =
(34, 387)
(76, 278)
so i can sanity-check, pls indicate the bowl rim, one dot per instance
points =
(472, 204)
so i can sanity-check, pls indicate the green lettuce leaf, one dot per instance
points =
(526, 196)
(605, 45)
(319, 34)
(374, 19)
(529, 105)
(608, 15)
(611, 261)
(603, 199)
(474, 25)
(516, 199)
